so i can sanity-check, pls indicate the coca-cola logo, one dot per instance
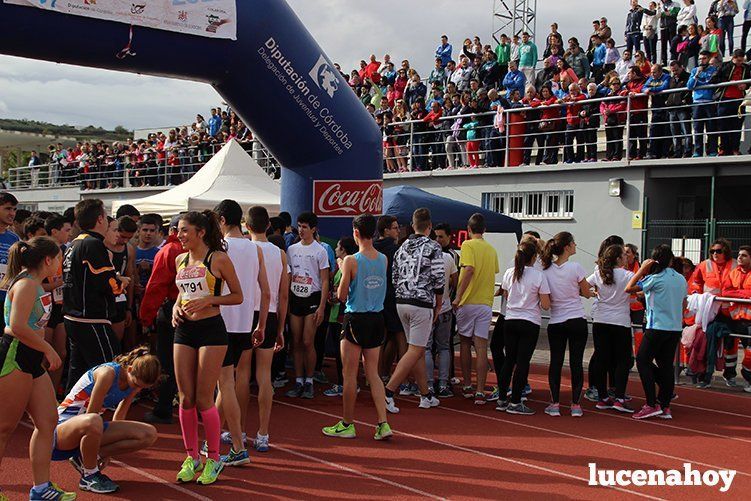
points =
(347, 198)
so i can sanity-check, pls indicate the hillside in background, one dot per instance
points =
(87, 133)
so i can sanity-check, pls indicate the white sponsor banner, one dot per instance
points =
(207, 18)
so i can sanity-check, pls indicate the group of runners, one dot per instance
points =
(226, 288)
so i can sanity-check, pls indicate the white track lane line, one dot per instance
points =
(675, 404)
(473, 451)
(572, 435)
(147, 475)
(357, 472)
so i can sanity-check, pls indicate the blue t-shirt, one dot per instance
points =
(368, 290)
(332, 256)
(7, 238)
(664, 293)
(144, 263)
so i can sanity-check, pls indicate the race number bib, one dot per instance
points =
(302, 286)
(45, 302)
(121, 298)
(3, 271)
(57, 295)
(192, 284)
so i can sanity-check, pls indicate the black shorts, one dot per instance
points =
(367, 330)
(391, 318)
(269, 335)
(121, 309)
(206, 332)
(237, 343)
(14, 355)
(56, 316)
(304, 306)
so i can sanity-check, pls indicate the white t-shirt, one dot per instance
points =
(449, 268)
(524, 294)
(537, 265)
(272, 262)
(244, 256)
(612, 306)
(565, 302)
(306, 262)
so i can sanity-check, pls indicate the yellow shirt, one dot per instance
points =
(482, 257)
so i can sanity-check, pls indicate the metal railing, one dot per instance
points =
(128, 169)
(544, 132)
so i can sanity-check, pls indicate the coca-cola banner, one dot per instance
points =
(347, 198)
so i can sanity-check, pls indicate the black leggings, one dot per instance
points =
(612, 354)
(496, 348)
(520, 338)
(657, 346)
(574, 332)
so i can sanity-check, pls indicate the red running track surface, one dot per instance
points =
(457, 451)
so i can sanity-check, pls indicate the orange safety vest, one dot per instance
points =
(738, 284)
(709, 277)
(634, 302)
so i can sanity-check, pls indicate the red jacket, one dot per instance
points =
(638, 103)
(737, 283)
(616, 108)
(551, 113)
(573, 108)
(710, 277)
(161, 285)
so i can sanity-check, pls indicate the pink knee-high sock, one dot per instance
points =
(212, 428)
(189, 425)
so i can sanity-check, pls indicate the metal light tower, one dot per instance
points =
(514, 17)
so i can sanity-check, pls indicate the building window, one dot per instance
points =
(532, 204)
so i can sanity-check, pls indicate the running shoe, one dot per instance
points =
(3, 497)
(612, 395)
(211, 472)
(591, 395)
(390, 406)
(527, 390)
(429, 401)
(236, 458)
(76, 463)
(320, 378)
(703, 385)
(620, 406)
(50, 493)
(296, 392)
(747, 389)
(494, 395)
(553, 410)
(409, 390)
(605, 404)
(520, 409)
(445, 392)
(340, 430)
(666, 414)
(261, 443)
(383, 432)
(204, 450)
(730, 381)
(576, 410)
(648, 412)
(98, 483)
(502, 405)
(308, 391)
(468, 392)
(480, 398)
(455, 381)
(334, 391)
(226, 438)
(189, 469)
(280, 381)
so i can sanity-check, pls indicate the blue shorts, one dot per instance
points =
(58, 455)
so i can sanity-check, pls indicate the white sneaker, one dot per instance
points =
(428, 402)
(390, 406)
(747, 389)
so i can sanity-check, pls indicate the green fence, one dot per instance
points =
(692, 238)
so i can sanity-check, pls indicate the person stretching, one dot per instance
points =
(363, 289)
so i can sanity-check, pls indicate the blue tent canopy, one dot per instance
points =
(401, 202)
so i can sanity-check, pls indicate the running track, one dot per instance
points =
(456, 451)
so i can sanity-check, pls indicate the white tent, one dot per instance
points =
(230, 174)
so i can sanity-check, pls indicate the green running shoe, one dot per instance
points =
(211, 471)
(188, 470)
(340, 430)
(383, 432)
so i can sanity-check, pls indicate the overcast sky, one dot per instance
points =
(348, 30)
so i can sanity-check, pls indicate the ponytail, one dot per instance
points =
(28, 255)
(209, 222)
(143, 365)
(607, 263)
(525, 253)
(555, 247)
(663, 256)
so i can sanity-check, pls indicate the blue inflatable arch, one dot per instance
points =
(275, 76)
